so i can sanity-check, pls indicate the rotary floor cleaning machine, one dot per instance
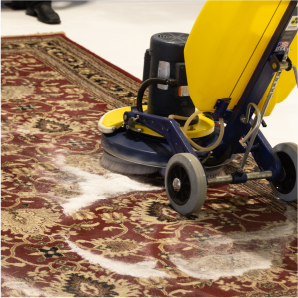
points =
(208, 94)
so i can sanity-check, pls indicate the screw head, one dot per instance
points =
(176, 184)
(242, 118)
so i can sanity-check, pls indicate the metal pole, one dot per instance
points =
(250, 176)
(296, 75)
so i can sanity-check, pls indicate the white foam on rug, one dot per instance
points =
(20, 287)
(235, 264)
(96, 187)
(286, 229)
(215, 266)
(143, 269)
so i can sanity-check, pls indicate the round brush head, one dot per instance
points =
(118, 165)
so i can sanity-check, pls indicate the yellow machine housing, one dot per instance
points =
(114, 118)
(237, 36)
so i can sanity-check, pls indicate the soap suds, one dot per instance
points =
(215, 266)
(235, 264)
(143, 269)
(286, 229)
(96, 187)
(21, 287)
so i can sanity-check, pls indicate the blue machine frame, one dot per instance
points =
(263, 153)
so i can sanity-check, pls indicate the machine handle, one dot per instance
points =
(147, 83)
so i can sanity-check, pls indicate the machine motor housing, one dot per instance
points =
(165, 59)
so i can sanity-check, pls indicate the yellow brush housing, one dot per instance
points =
(233, 35)
(114, 118)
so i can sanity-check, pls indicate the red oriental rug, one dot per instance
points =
(73, 229)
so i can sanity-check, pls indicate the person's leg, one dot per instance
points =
(31, 4)
(17, 4)
(43, 11)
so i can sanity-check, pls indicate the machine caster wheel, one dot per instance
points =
(186, 183)
(286, 189)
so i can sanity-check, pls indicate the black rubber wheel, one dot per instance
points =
(186, 183)
(286, 189)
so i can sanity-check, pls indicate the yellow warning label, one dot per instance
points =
(293, 24)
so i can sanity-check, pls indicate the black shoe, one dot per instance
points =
(44, 12)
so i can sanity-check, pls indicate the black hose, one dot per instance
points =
(147, 83)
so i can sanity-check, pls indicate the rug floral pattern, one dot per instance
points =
(61, 237)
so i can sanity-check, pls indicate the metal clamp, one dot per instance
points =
(256, 123)
(286, 62)
(131, 124)
(207, 157)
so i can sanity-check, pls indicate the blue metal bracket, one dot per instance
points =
(166, 127)
(239, 177)
(220, 108)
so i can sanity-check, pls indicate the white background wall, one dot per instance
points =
(120, 31)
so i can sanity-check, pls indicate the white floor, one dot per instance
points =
(120, 31)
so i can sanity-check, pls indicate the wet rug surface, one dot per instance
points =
(73, 229)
